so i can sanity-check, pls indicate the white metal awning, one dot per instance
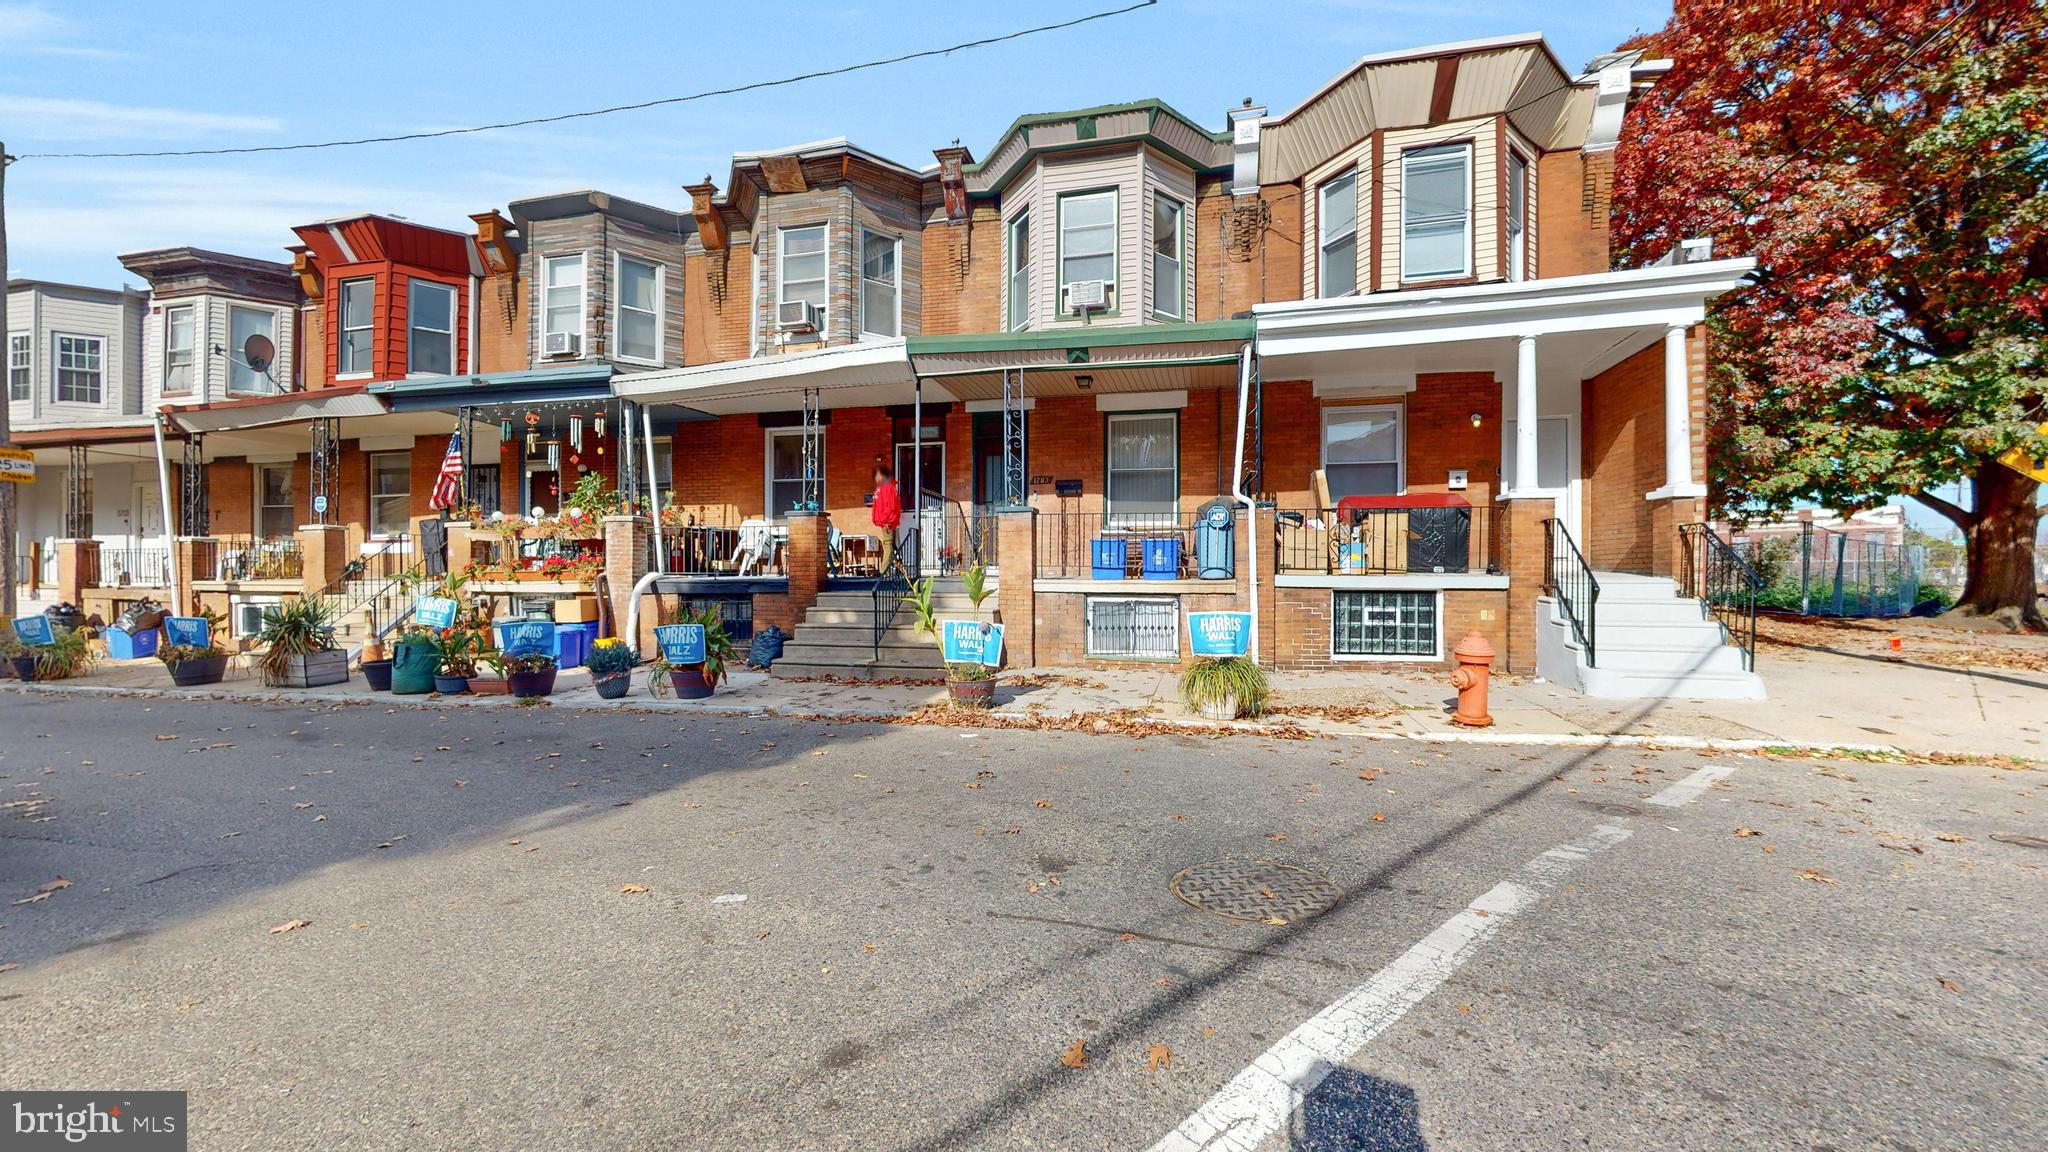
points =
(868, 374)
(269, 411)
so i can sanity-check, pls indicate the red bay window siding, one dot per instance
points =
(391, 254)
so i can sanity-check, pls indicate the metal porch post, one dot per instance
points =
(1014, 480)
(77, 501)
(917, 476)
(195, 519)
(324, 466)
(808, 500)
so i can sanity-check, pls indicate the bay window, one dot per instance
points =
(800, 267)
(881, 290)
(358, 314)
(1167, 281)
(430, 329)
(1019, 258)
(80, 370)
(639, 304)
(1436, 213)
(244, 323)
(1087, 245)
(1337, 236)
(562, 299)
(20, 356)
(1518, 216)
(180, 338)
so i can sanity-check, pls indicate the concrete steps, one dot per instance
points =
(837, 637)
(1649, 643)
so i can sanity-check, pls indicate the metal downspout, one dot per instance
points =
(1244, 388)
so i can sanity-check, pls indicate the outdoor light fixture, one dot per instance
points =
(1084, 383)
(1475, 419)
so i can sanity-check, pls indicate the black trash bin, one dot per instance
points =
(64, 618)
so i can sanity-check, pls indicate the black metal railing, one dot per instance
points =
(1115, 546)
(372, 578)
(714, 543)
(1716, 575)
(1384, 541)
(1567, 576)
(885, 601)
(134, 567)
(274, 558)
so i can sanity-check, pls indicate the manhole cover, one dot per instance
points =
(1606, 809)
(1257, 891)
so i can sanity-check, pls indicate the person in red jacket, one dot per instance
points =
(886, 510)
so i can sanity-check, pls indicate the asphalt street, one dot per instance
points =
(541, 928)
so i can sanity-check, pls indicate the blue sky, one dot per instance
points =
(77, 76)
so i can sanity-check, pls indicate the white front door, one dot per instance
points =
(146, 526)
(931, 506)
(1557, 470)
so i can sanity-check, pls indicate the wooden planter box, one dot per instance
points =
(315, 670)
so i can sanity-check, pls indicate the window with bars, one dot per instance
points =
(1383, 625)
(1133, 628)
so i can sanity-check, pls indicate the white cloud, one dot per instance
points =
(49, 118)
(35, 29)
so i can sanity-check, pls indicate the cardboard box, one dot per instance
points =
(576, 610)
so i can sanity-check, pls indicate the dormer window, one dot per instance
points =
(1167, 255)
(1436, 213)
(358, 298)
(1020, 270)
(1088, 251)
(1337, 236)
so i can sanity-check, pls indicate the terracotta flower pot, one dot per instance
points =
(488, 686)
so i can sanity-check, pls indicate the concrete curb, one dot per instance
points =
(645, 706)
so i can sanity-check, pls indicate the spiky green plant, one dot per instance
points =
(1209, 682)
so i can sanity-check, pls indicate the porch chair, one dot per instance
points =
(756, 545)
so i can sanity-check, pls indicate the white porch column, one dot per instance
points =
(1525, 415)
(1678, 475)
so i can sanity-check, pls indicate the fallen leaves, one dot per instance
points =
(1815, 875)
(1379, 817)
(1950, 984)
(45, 890)
(290, 926)
(1158, 1057)
(1276, 837)
(1126, 937)
(1075, 1055)
(1747, 832)
(632, 889)
(1041, 803)
(1952, 838)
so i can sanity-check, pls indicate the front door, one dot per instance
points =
(147, 527)
(931, 506)
(1557, 469)
(543, 488)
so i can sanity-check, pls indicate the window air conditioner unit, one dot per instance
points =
(1089, 294)
(563, 344)
(799, 316)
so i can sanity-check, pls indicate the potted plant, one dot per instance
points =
(969, 685)
(18, 655)
(191, 665)
(299, 651)
(529, 674)
(491, 682)
(1224, 688)
(697, 681)
(68, 655)
(415, 659)
(456, 651)
(375, 665)
(611, 663)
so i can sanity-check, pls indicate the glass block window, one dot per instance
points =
(1133, 628)
(1385, 624)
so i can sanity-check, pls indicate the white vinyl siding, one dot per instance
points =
(1436, 213)
(881, 284)
(244, 323)
(358, 320)
(1088, 249)
(1019, 259)
(1143, 465)
(562, 280)
(81, 370)
(639, 311)
(20, 366)
(1518, 217)
(1337, 236)
(181, 341)
(1169, 218)
(1363, 449)
(430, 329)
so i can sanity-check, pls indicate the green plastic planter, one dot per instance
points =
(413, 664)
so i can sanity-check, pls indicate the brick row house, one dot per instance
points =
(1362, 369)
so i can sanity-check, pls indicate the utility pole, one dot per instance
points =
(7, 503)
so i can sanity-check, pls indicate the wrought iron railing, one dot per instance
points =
(373, 578)
(715, 543)
(1716, 575)
(1568, 577)
(1384, 541)
(885, 601)
(1114, 546)
(275, 558)
(133, 567)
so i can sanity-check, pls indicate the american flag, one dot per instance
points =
(448, 485)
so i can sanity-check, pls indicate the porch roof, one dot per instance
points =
(1085, 361)
(268, 411)
(870, 373)
(572, 383)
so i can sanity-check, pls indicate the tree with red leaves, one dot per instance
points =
(1886, 163)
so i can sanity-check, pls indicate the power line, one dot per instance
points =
(644, 104)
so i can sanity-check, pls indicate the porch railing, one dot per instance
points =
(1389, 541)
(1716, 575)
(1568, 577)
(714, 544)
(133, 567)
(1115, 545)
(259, 558)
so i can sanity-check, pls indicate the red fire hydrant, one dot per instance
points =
(1475, 661)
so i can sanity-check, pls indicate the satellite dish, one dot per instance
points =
(258, 352)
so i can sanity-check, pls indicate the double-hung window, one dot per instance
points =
(1337, 236)
(390, 493)
(275, 516)
(800, 267)
(1167, 254)
(1020, 270)
(1518, 217)
(20, 355)
(881, 289)
(430, 329)
(786, 470)
(1436, 213)
(244, 323)
(180, 340)
(1143, 466)
(80, 370)
(1362, 450)
(358, 317)
(562, 299)
(1088, 245)
(664, 471)
(639, 301)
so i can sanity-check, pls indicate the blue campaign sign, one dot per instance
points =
(1220, 633)
(435, 612)
(526, 637)
(972, 642)
(681, 644)
(188, 631)
(34, 629)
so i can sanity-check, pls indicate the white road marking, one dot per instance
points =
(1687, 790)
(1257, 1102)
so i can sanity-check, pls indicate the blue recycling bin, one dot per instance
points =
(123, 646)
(1106, 558)
(576, 642)
(1161, 559)
(1216, 541)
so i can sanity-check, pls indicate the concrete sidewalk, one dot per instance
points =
(1825, 699)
